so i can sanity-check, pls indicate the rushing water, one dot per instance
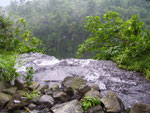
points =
(130, 86)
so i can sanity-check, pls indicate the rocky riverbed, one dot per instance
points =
(60, 86)
(130, 86)
(73, 96)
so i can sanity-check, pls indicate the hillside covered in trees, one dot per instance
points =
(59, 23)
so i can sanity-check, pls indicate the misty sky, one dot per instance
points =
(4, 2)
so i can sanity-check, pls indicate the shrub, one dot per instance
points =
(7, 62)
(89, 102)
(29, 76)
(32, 95)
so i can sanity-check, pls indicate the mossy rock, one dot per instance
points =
(73, 82)
(10, 91)
(140, 108)
(4, 98)
(4, 85)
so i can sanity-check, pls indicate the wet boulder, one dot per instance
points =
(83, 89)
(72, 85)
(94, 93)
(68, 107)
(10, 91)
(4, 85)
(112, 103)
(140, 108)
(52, 89)
(46, 99)
(73, 82)
(4, 98)
(96, 109)
(60, 96)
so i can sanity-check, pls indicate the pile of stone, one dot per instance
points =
(64, 99)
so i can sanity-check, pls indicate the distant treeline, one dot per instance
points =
(59, 23)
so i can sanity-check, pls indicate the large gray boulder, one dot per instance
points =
(68, 107)
(94, 93)
(75, 85)
(112, 103)
(46, 99)
(60, 96)
(73, 82)
(140, 108)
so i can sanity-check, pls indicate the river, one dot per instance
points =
(130, 86)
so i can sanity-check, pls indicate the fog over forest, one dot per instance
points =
(59, 23)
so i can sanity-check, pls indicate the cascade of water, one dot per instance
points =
(130, 86)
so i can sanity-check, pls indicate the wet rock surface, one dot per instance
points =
(93, 93)
(39, 101)
(130, 86)
(60, 96)
(112, 103)
(69, 107)
(96, 109)
(140, 108)
(4, 98)
(46, 99)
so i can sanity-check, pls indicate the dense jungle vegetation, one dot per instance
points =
(59, 23)
(106, 29)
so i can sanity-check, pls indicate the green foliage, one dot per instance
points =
(101, 33)
(59, 23)
(32, 95)
(14, 36)
(126, 42)
(109, 53)
(14, 40)
(28, 78)
(136, 57)
(7, 62)
(89, 102)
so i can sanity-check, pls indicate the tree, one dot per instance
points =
(14, 36)
(59, 23)
(126, 42)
